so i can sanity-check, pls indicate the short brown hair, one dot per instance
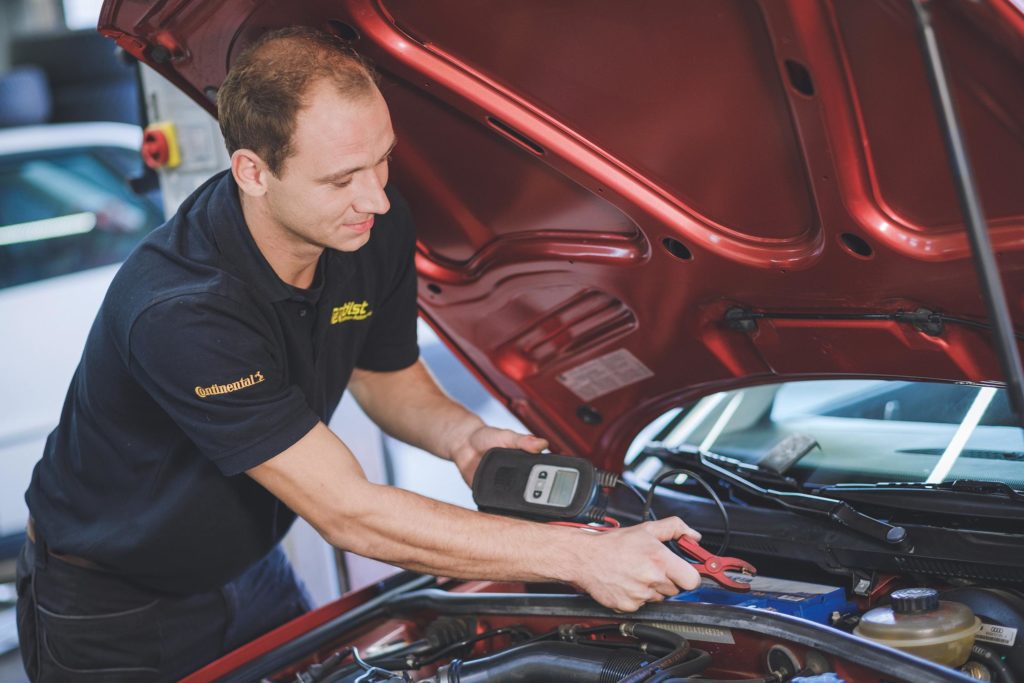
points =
(265, 88)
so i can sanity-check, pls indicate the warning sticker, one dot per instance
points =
(1000, 635)
(605, 374)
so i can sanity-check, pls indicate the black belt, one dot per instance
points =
(30, 531)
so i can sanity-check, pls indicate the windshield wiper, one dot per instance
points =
(968, 486)
(960, 497)
(838, 511)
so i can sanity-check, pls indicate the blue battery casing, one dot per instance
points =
(811, 601)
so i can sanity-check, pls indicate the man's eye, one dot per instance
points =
(342, 183)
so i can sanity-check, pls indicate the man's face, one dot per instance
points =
(332, 186)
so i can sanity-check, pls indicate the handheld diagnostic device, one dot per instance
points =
(539, 486)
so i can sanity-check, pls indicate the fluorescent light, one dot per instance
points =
(694, 419)
(722, 421)
(48, 228)
(963, 433)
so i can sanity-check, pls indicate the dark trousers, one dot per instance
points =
(78, 624)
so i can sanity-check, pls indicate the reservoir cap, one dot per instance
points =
(914, 600)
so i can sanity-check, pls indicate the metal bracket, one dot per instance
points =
(741, 320)
(925, 321)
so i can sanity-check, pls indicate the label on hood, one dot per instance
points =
(604, 374)
(1000, 635)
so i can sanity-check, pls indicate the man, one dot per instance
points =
(194, 428)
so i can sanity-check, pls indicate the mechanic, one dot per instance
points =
(194, 428)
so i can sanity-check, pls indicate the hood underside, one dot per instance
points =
(597, 184)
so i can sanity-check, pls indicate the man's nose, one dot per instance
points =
(370, 197)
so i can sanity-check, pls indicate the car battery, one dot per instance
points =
(811, 601)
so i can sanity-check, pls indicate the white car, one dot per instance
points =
(68, 218)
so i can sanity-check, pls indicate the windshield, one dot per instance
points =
(865, 431)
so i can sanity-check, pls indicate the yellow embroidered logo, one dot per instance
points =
(215, 389)
(350, 310)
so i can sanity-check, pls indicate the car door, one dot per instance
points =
(67, 219)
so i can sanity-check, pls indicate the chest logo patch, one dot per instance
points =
(350, 310)
(242, 383)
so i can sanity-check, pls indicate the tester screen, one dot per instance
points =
(563, 487)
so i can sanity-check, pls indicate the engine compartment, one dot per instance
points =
(780, 631)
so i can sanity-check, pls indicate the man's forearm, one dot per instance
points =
(410, 406)
(425, 535)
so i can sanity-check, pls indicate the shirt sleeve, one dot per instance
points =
(391, 343)
(206, 361)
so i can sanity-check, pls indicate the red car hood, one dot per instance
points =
(597, 183)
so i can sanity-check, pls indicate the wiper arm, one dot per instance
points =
(970, 486)
(960, 497)
(984, 487)
(836, 510)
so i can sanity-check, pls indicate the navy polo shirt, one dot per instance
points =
(202, 364)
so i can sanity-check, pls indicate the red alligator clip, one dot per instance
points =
(715, 567)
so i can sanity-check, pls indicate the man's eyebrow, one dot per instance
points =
(349, 171)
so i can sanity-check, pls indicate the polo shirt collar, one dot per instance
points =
(239, 249)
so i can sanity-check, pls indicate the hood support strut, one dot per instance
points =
(977, 230)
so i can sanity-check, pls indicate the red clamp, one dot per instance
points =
(715, 567)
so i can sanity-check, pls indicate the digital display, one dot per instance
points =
(562, 488)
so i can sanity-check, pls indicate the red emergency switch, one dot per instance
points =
(160, 146)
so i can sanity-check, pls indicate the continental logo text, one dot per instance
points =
(217, 389)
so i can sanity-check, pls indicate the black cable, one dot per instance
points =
(455, 647)
(910, 317)
(636, 492)
(696, 663)
(649, 501)
(318, 671)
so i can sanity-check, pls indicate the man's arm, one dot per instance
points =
(321, 481)
(410, 406)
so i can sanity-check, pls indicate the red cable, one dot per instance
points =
(609, 523)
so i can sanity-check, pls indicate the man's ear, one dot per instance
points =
(250, 172)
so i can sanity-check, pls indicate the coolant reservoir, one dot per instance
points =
(919, 623)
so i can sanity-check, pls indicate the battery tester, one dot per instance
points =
(544, 486)
(560, 489)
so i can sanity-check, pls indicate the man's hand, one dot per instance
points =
(468, 451)
(625, 568)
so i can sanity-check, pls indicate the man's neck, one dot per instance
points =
(293, 260)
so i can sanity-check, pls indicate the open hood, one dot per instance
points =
(604, 189)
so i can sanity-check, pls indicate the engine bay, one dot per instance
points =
(438, 631)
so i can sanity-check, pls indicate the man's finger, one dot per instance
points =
(666, 589)
(671, 528)
(682, 574)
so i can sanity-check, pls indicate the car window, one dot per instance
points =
(866, 431)
(66, 211)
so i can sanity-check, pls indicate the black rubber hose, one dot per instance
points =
(546, 661)
(993, 661)
(658, 635)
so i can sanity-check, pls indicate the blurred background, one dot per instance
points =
(75, 199)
